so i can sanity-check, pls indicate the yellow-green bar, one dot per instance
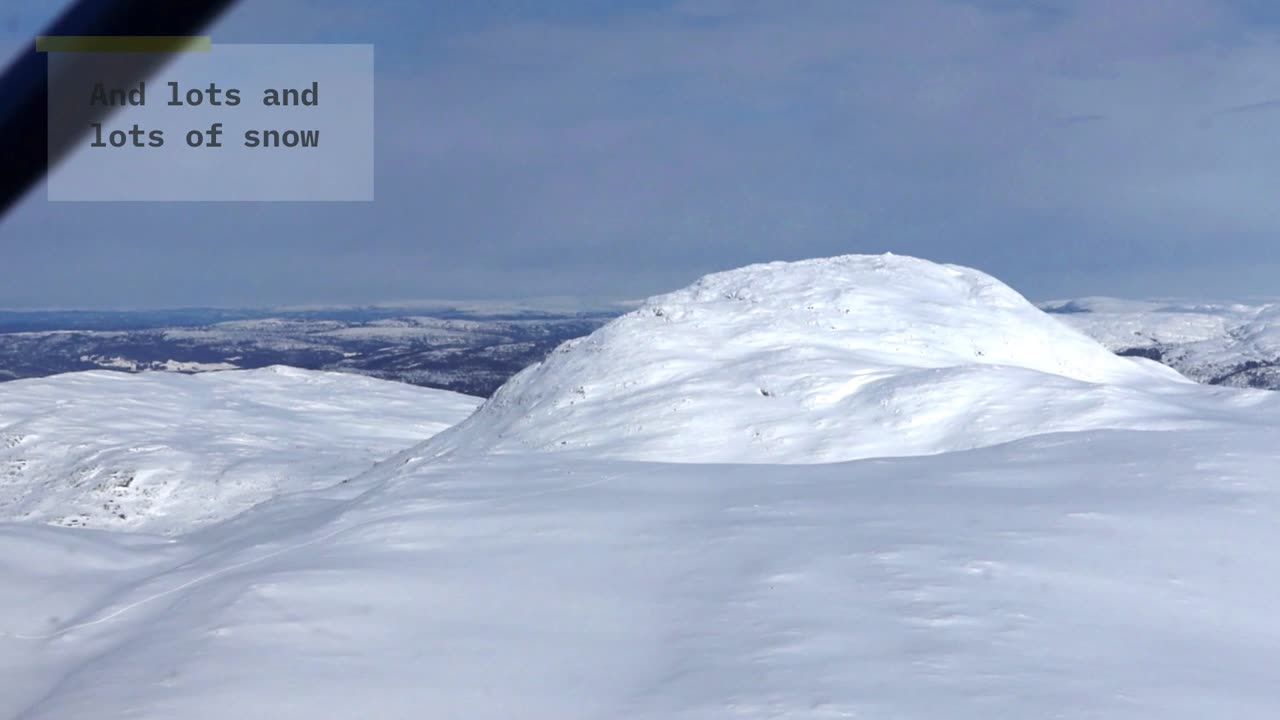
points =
(123, 43)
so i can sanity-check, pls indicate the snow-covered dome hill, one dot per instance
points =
(822, 360)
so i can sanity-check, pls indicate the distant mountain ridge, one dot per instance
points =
(451, 349)
(474, 352)
(1231, 344)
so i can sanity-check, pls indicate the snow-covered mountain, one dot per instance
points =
(166, 453)
(1025, 526)
(1216, 343)
(820, 361)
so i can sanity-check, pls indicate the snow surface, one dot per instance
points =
(825, 360)
(1089, 575)
(167, 453)
(1099, 573)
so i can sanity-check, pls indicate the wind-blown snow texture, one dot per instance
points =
(1103, 573)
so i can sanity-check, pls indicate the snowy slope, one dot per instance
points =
(165, 453)
(823, 360)
(1107, 575)
(1099, 574)
(1218, 343)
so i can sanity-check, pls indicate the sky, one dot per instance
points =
(610, 150)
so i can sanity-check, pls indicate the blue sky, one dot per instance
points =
(613, 150)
